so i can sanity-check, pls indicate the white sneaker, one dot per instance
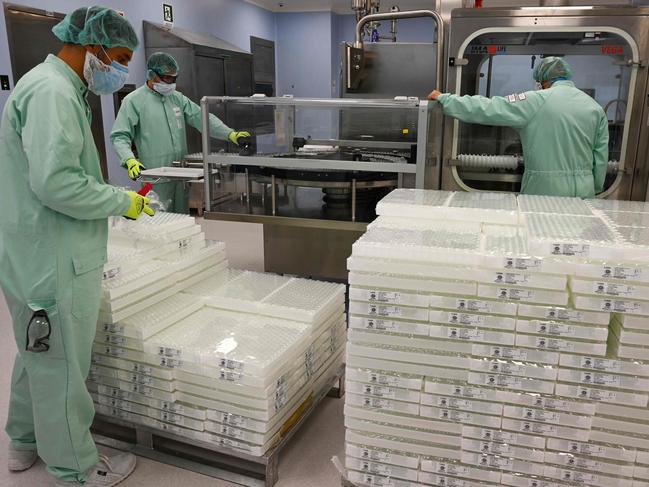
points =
(20, 460)
(110, 470)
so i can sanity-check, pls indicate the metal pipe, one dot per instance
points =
(490, 69)
(411, 14)
(272, 194)
(353, 199)
(205, 136)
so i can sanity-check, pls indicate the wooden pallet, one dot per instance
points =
(205, 458)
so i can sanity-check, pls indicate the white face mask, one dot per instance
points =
(538, 86)
(164, 89)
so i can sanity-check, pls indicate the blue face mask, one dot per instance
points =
(103, 79)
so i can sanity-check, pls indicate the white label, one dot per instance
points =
(376, 403)
(466, 391)
(379, 391)
(115, 340)
(552, 328)
(466, 319)
(473, 305)
(376, 455)
(550, 403)
(540, 415)
(613, 289)
(579, 250)
(377, 468)
(451, 469)
(495, 448)
(564, 314)
(541, 483)
(141, 389)
(595, 363)
(554, 344)
(453, 402)
(439, 481)
(597, 394)
(142, 379)
(115, 351)
(142, 369)
(380, 310)
(600, 379)
(169, 352)
(378, 481)
(587, 449)
(172, 418)
(508, 381)
(383, 296)
(508, 353)
(170, 363)
(579, 477)
(510, 278)
(506, 368)
(522, 263)
(113, 328)
(620, 306)
(231, 364)
(465, 334)
(499, 436)
(515, 294)
(619, 272)
(456, 416)
(234, 420)
(585, 463)
(383, 379)
(110, 273)
(383, 325)
(538, 428)
(491, 461)
(230, 375)
(173, 407)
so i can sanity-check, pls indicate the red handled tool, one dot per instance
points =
(144, 190)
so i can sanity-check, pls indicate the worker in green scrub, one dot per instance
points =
(53, 236)
(564, 131)
(153, 118)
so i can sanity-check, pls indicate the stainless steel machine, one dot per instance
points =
(315, 171)
(608, 49)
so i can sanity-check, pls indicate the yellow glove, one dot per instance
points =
(139, 205)
(134, 168)
(235, 136)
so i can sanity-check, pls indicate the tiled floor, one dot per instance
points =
(304, 463)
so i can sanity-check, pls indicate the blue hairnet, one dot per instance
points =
(96, 25)
(551, 68)
(162, 64)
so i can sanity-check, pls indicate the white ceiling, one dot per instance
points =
(338, 6)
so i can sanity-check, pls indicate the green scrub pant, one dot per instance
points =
(174, 196)
(50, 408)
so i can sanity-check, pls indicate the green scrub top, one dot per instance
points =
(564, 133)
(156, 125)
(53, 236)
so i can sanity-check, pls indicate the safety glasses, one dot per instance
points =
(167, 78)
(38, 333)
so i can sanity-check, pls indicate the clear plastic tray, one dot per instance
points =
(413, 203)
(494, 208)
(557, 205)
(618, 205)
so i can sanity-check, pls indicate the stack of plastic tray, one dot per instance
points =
(231, 372)
(484, 352)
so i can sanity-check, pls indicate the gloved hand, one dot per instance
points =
(134, 168)
(235, 136)
(139, 205)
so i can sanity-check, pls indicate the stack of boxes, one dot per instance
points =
(216, 355)
(497, 340)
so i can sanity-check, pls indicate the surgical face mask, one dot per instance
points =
(538, 86)
(164, 89)
(103, 79)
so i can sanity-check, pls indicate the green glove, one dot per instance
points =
(139, 205)
(134, 168)
(235, 136)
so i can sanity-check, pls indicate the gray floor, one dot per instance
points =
(304, 463)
